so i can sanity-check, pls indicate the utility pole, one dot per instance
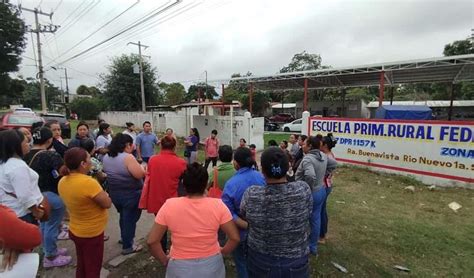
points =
(142, 85)
(66, 98)
(41, 29)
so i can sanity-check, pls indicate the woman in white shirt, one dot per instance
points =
(18, 183)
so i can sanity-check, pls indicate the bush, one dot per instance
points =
(87, 108)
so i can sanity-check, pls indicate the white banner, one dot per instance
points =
(435, 152)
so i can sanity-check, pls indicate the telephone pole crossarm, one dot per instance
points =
(142, 85)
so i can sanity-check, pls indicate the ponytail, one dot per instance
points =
(64, 171)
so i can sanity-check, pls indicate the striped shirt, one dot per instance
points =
(279, 218)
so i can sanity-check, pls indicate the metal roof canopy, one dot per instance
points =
(451, 69)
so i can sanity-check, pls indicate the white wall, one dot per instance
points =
(251, 129)
(179, 122)
(242, 126)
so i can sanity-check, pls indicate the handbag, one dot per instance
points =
(187, 153)
(215, 191)
(44, 205)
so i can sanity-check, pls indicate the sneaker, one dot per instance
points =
(61, 251)
(59, 260)
(63, 235)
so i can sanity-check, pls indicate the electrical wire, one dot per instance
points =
(57, 7)
(135, 34)
(97, 30)
(122, 40)
(84, 12)
(121, 32)
(148, 14)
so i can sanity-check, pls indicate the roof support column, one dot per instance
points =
(222, 101)
(250, 98)
(391, 94)
(381, 87)
(452, 93)
(305, 100)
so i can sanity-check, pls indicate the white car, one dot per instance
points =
(23, 110)
(293, 126)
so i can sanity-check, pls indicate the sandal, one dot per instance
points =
(59, 260)
(63, 235)
(133, 249)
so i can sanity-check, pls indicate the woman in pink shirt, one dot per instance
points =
(193, 222)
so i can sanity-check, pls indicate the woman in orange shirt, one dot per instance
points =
(16, 236)
(87, 204)
(193, 222)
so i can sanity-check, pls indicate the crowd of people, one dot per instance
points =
(269, 216)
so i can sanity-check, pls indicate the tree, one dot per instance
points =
(12, 42)
(174, 93)
(122, 86)
(87, 108)
(459, 48)
(303, 61)
(194, 90)
(87, 91)
(30, 97)
(260, 102)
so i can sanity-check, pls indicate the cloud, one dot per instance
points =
(228, 36)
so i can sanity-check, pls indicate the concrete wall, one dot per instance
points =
(231, 130)
(179, 122)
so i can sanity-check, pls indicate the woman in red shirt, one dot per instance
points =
(164, 172)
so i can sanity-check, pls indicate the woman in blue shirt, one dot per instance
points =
(190, 153)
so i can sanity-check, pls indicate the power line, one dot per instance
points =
(123, 31)
(57, 7)
(141, 17)
(97, 30)
(84, 12)
(138, 32)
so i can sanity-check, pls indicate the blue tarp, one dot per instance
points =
(404, 112)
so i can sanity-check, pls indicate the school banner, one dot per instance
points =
(435, 152)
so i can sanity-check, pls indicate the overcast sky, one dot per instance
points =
(229, 36)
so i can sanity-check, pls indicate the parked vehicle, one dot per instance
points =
(63, 122)
(270, 126)
(294, 126)
(13, 120)
(282, 118)
(23, 110)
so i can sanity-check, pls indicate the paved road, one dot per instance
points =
(112, 248)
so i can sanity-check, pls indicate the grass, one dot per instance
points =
(375, 224)
(278, 137)
(179, 148)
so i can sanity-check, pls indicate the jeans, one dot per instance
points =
(262, 265)
(126, 204)
(209, 267)
(318, 199)
(208, 161)
(50, 228)
(90, 253)
(240, 259)
(192, 157)
(29, 218)
(324, 215)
